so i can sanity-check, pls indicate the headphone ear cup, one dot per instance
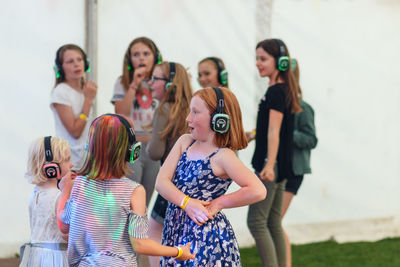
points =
(283, 63)
(223, 77)
(52, 170)
(87, 64)
(133, 152)
(220, 122)
(57, 71)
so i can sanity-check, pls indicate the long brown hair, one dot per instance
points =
(178, 95)
(235, 138)
(127, 74)
(271, 46)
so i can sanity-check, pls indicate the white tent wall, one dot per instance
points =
(31, 33)
(347, 52)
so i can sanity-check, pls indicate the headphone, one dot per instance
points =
(58, 69)
(157, 56)
(282, 61)
(134, 147)
(222, 72)
(219, 119)
(171, 75)
(51, 169)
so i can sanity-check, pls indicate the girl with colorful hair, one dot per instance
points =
(104, 212)
(196, 175)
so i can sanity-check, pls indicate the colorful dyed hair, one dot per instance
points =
(107, 147)
(235, 138)
(178, 96)
(36, 158)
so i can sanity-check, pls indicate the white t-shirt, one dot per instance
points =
(66, 95)
(140, 116)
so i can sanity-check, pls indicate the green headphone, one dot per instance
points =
(222, 72)
(171, 75)
(282, 61)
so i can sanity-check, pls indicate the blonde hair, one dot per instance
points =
(36, 158)
(235, 138)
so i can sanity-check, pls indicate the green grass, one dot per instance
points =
(381, 253)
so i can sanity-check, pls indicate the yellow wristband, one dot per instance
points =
(82, 116)
(180, 251)
(185, 201)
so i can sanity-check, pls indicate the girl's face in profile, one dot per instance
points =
(73, 65)
(208, 74)
(265, 63)
(157, 84)
(142, 56)
(199, 119)
(66, 165)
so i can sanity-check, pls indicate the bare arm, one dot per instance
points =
(195, 209)
(156, 147)
(252, 190)
(66, 185)
(147, 246)
(274, 128)
(75, 125)
(124, 106)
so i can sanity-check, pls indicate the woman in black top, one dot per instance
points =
(273, 149)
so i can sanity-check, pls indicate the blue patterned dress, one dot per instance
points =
(214, 242)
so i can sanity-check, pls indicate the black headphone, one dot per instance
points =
(157, 57)
(222, 72)
(171, 75)
(219, 119)
(282, 61)
(51, 169)
(134, 147)
(58, 69)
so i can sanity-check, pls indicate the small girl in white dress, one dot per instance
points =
(49, 160)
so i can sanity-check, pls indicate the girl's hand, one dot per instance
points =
(214, 207)
(89, 90)
(197, 211)
(67, 181)
(138, 76)
(186, 255)
(267, 174)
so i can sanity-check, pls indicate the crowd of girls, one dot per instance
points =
(94, 181)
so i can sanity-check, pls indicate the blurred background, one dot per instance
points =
(348, 53)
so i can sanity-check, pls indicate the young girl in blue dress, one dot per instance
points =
(196, 175)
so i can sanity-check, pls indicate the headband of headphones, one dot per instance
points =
(50, 169)
(134, 147)
(172, 72)
(222, 72)
(58, 69)
(282, 61)
(219, 119)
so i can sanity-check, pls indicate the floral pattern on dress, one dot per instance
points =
(214, 242)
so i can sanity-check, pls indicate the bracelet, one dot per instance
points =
(180, 251)
(184, 202)
(82, 116)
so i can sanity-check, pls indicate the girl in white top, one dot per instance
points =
(132, 98)
(72, 99)
(47, 246)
